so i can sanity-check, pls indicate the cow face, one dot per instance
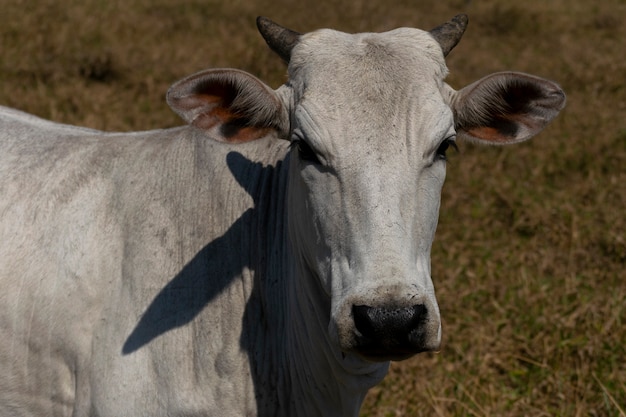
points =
(370, 128)
(370, 120)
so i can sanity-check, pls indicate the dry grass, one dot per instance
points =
(530, 253)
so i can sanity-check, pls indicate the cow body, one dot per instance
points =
(214, 269)
(67, 319)
(184, 309)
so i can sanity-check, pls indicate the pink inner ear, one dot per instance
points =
(510, 129)
(489, 134)
(229, 105)
(228, 125)
(213, 116)
(193, 101)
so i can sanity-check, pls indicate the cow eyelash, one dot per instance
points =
(305, 151)
(444, 146)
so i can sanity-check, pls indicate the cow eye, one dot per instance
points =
(445, 145)
(305, 151)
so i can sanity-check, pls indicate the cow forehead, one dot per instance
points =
(402, 55)
(386, 84)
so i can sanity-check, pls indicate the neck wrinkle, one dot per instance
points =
(299, 370)
(323, 380)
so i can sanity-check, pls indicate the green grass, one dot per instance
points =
(530, 253)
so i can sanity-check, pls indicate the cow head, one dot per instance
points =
(370, 119)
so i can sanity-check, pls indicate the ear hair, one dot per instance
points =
(506, 107)
(231, 105)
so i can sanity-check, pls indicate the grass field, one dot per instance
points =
(531, 248)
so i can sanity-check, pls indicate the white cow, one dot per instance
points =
(267, 259)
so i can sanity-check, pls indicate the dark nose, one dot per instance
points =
(390, 333)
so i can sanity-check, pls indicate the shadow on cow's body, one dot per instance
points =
(197, 284)
(206, 275)
(260, 240)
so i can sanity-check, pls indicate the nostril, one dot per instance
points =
(388, 333)
(382, 322)
(363, 322)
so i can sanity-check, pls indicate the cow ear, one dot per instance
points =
(230, 105)
(506, 107)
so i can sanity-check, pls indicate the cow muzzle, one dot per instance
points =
(395, 333)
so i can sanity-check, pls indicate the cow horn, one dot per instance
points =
(449, 33)
(280, 40)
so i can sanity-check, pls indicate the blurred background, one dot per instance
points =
(529, 258)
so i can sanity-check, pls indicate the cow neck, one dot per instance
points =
(322, 379)
(318, 378)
